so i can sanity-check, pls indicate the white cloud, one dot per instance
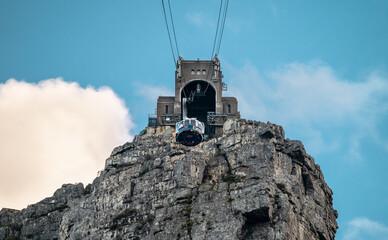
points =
(363, 228)
(306, 92)
(55, 132)
(306, 98)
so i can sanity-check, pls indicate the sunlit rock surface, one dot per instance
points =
(248, 183)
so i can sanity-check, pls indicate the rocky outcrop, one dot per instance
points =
(248, 183)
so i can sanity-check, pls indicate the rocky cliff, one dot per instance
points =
(248, 183)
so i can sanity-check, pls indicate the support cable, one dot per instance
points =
(218, 23)
(168, 31)
(173, 28)
(217, 41)
(222, 26)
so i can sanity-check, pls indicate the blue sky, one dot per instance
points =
(318, 68)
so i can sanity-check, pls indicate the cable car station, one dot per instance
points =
(198, 99)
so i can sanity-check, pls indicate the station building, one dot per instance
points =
(198, 94)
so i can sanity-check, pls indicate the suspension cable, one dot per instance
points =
(173, 28)
(218, 23)
(217, 41)
(218, 36)
(168, 31)
(222, 26)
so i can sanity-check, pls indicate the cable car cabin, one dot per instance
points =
(189, 132)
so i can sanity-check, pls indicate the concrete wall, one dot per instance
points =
(232, 102)
(164, 101)
(190, 70)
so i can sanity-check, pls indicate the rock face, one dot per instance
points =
(248, 183)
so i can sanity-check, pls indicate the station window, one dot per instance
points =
(166, 108)
(229, 108)
(204, 72)
(192, 71)
(198, 72)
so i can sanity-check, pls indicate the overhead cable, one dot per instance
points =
(168, 31)
(173, 28)
(218, 37)
(218, 23)
(222, 26)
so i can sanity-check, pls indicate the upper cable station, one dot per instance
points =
(198, 99)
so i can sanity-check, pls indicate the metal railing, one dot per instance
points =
(214, 119)
(169, 119)
(152, 120)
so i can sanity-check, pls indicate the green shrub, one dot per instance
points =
(124, 214)
(187, 211)
(88, 189)
(60, 207)
(127, 201)
(230, 178)
(151, 218)
(12, 237)
(185, 201)
(15, 226)
(281, 186)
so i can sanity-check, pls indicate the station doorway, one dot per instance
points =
(200, 99)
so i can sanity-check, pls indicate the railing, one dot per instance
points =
(224, 87)
(214, 119)
(169, 119)
(152, 120)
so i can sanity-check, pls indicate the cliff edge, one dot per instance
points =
(248, 183)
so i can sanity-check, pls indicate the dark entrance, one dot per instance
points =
(200, 99)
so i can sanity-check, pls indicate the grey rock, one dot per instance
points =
(248, 183)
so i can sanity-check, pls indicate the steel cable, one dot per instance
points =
(223, 25)
(173, 28)
(168, 31)
(218, 23)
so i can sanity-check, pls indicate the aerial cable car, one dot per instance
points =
(189, 131)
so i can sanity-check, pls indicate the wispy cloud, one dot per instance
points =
(196, 18)
(364, 228)
(274, 10)
(55, 132)
(307, 98)
(151, 93)
(202, 20)
(207, 22)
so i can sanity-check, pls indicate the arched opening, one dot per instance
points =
(200, 99)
